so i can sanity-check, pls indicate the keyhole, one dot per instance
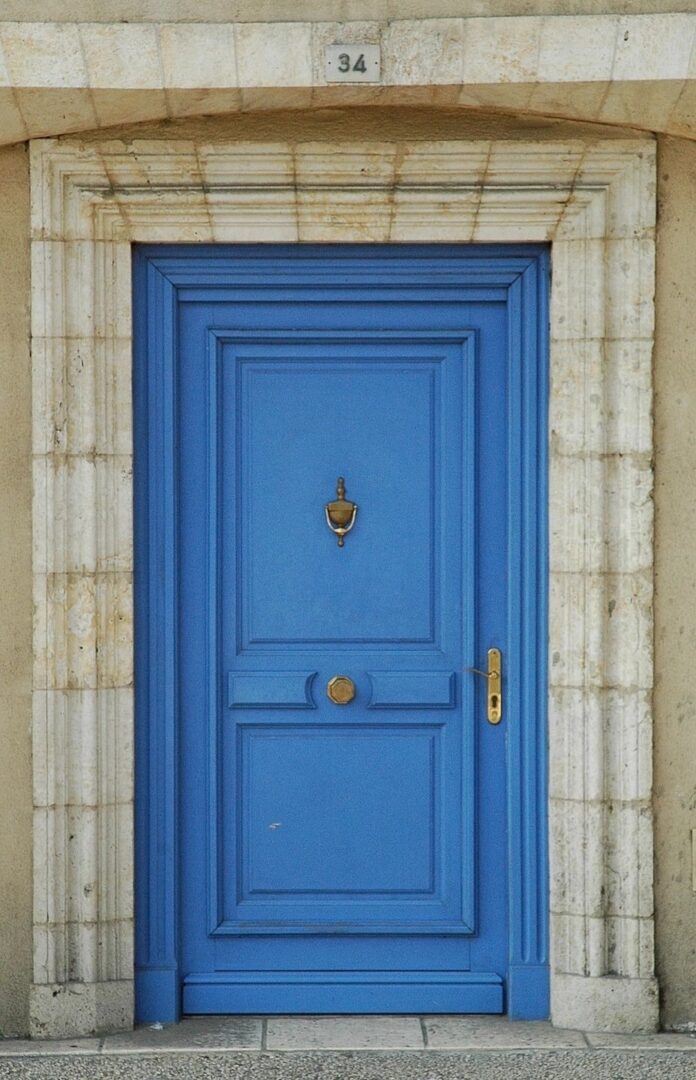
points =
(494, 701)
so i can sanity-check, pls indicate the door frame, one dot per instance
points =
(517, 273)
(594, 200)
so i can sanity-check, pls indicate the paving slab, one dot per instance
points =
(192, 1033)
(353, 1048)
(496, 1032)
(344, 1033)
(48, 1047)
(660, 1041)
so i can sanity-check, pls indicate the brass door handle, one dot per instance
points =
(494, 675)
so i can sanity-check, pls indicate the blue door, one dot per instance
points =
(344, 439)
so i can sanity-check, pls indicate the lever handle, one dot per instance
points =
(494, 675)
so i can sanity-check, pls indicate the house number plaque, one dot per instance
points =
(352, 63)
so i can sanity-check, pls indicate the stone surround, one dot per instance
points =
(628, 70)
(596, 203)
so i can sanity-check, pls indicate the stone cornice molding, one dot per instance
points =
(595, 203)
(633, 70)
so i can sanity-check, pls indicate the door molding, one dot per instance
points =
(595, 203)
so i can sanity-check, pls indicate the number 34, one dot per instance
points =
(344, 63)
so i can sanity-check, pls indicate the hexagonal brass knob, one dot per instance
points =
(340, 689)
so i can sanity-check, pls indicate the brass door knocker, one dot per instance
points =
(341, 513)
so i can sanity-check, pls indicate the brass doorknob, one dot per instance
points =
(340, 689)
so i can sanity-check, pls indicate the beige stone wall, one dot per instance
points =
(675, 372)
(15, 594)
(301, 10)
(675, 577)
(624, 70)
